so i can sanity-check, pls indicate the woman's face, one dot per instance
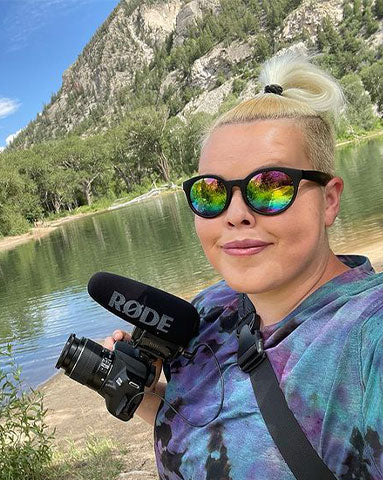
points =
(297, 240)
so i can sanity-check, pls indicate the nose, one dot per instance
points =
(238, 213)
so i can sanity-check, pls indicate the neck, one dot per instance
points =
(273, 306)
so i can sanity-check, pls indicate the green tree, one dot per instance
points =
(148, 141)
(56, 180)
(360, 111)
(19, 203)
(372, 77)
(357, 11)
(371, 25)
(183, 139)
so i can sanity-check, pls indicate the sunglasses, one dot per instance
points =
(268, 191)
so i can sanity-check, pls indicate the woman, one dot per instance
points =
(320, 313)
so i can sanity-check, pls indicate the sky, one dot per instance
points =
(39, 40)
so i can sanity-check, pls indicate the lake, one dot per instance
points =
(43, 295)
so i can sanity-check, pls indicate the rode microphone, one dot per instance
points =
(164, 324)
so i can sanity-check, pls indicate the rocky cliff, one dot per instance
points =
(163, 51)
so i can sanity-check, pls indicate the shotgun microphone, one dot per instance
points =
(165, 324)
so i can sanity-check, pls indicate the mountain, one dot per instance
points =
(193, 56)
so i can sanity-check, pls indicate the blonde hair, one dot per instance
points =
(310, 96)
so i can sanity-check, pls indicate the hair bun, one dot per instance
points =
(303, 81)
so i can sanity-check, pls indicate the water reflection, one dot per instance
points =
(358, 227)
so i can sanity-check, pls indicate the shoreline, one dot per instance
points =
(37, 233)
(47, 227)
(358, 139)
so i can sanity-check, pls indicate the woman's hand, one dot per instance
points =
(117, 336)
(121, 335)
(150, 404)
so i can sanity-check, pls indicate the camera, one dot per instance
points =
(164, 325)
(119, 376)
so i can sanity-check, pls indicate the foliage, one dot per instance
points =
(25, 443)
(360, 111)
(372, 78)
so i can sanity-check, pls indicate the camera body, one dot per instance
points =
(119, 376)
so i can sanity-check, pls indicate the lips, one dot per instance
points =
(244, 247)
(245, 244)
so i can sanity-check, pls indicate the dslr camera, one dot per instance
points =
(164, 325)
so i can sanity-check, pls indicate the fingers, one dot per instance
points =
(108, 343)
(120, 335)
(117, 336)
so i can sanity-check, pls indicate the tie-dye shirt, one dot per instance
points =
(327, 356)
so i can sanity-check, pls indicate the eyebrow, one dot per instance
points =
(277, 163)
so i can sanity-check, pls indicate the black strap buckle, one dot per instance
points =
(251, 349)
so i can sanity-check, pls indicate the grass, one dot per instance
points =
(356, 133)
(99, 459)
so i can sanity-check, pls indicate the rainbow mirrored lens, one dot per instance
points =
(208, 196)
(270, 192)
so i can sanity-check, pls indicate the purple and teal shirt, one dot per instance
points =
(327, 356)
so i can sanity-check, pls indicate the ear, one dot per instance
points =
(332, 196)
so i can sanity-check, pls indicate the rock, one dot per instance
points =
(209, 101)
(309, 16)
(188, 14)
(159, 20)
(110, 60)
(173, 78)
(219, 60)
(298, 47)
(250, 90)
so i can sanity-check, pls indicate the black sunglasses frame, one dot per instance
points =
(295, 174)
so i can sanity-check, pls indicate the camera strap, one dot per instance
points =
(298, 453)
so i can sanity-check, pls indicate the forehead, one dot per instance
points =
(236, 150)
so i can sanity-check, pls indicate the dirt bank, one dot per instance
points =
(75, 411)
(36, 233)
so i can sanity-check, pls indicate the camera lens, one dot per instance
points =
(85, 361)
(67, 357)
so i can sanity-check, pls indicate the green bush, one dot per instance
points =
(25, 443)
(12, 221)
(238, 86)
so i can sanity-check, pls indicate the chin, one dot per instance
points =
(246, 283)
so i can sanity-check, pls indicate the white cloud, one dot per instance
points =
(8, 106)
(11, 137)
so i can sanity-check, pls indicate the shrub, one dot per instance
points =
(12, 221)
(25, 443)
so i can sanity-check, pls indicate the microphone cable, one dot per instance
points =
(190, 355)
